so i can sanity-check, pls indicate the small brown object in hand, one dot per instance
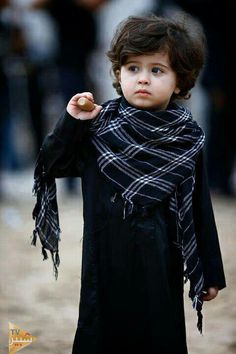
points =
(85, 104)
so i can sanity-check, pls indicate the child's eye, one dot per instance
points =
(156, 70)
(133, 68)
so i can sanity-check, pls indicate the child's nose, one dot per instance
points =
(143, 79)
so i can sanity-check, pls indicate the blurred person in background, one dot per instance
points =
(77, 38)
(4, 99)
(11, 46)
(24, 67)
(217, 18)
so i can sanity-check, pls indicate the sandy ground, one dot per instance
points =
(48, 309)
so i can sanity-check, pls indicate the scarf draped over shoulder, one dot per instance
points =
(149, 156)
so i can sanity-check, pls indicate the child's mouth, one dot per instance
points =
(143, 92)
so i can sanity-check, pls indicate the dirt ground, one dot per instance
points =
(48, 309)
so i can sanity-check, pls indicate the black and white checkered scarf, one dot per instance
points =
(150, 156)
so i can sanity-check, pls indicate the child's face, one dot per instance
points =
(147, 81)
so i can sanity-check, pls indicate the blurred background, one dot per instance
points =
(50, 50)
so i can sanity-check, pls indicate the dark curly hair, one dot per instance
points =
(183, 39)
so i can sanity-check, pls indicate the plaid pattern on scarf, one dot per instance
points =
(45, 214)
(150, 156)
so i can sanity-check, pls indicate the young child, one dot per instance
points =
(148, 218)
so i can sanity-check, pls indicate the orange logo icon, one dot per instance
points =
(18, 338)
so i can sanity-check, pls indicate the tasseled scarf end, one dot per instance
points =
(34, 238)
(197, 305)
(199, 321)
(55, 260)
(45, 214)
(55, 255)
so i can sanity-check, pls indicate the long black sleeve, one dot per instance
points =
(206, 231)
(62, 150)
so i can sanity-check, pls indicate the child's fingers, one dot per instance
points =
(75, 111)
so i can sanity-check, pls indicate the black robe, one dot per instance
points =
(131, 297)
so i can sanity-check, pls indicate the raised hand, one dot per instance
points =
(75, 110)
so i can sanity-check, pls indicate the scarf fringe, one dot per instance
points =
(197, 302)
(200, 321)
(34, 238)
(55, 260)
(44, 253)
(45, 214)
(56, 263)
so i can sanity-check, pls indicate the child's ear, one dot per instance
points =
(118, 75)
(177, 90)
